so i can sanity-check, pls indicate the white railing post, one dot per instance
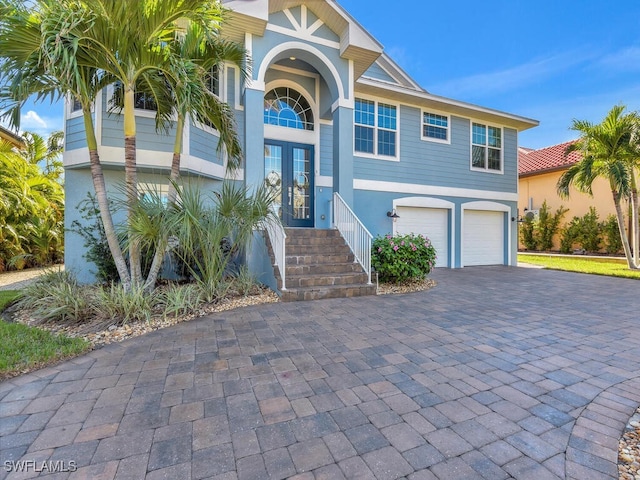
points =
(277, 237)
(354, 233)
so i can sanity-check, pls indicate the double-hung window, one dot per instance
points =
(486, 147)
(376, 128)
(435, 127)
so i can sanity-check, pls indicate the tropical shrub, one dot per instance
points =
(31, 203)
(402, 257)
(611, 234)
(527, 234)
(590, 229)
(570, 235)
(547, 225)
(95, 240)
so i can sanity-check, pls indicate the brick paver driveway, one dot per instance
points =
(496, 373)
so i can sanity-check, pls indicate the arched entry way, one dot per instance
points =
(289, 154)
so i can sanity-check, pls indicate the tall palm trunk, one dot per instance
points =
(623, 230)
(131, 182)
(635, 228)
(173, 178)
(103, 202)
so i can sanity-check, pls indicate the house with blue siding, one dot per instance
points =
(332, 122)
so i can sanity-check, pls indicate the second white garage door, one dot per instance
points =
(483, 238)
(430, 222)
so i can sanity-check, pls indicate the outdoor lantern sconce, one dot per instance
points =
(392, 214)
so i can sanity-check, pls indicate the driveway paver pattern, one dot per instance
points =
(496, 373)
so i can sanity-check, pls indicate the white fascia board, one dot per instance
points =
(455, 107)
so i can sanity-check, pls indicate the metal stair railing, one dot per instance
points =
(354, 232)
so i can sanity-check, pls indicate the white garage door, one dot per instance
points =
(483, 238)
(430, 222)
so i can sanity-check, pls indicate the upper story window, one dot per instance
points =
(212, 80)
(486, 147)
(285, 107)
(75, 104)
(376, 128)
(435, 127)
(144, 101)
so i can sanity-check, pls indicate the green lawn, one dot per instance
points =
(597, 266)
(6, 297)
(25, 348)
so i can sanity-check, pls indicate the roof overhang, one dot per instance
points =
(11, 137)
(252, 16)
(455, 107)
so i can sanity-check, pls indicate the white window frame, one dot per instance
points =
(376, 155)
(221, 95)
(486, 146)
(423, 124)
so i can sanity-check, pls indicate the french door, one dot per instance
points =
(288, 169)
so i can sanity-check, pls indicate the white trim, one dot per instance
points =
(324, 181)
(237, 91)
(294, 23)
(491, 207)
(431, 139)
(417, 189)
(486, 146)
(303, 35)
(376, 155)
(454, 103)
(323, 121)
(151, 159)
(283, 47)
(315, 26)
(98, 112)
(430, 202)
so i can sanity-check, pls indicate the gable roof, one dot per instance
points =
(356, 43)
(544, 160)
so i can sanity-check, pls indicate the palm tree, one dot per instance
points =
(70, 47)
(30, 67)
(608, 152)
(193, 98)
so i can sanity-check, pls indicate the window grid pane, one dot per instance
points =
(495, 139)
(386, 116)
(363, 139)
(387, 143)
(479, 134)
(365, 112)
(494, 159)
(478, 157)
(435, 132)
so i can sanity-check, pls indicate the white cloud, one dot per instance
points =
(32, 121)
(512, 78)
(627, 59)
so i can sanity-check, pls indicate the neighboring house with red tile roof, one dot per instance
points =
(538, 175)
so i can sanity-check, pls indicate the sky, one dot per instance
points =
(553, 61)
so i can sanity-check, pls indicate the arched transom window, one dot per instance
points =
(286, 107)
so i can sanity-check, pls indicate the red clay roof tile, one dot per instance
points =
(548, 158)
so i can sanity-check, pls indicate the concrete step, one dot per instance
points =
(333, 248)
(318, 259)
(324, 268)
(318, 293)
(296, 281)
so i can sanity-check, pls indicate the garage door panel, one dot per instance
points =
(430, 222)
(483, 238)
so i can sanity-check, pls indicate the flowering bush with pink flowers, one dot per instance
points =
(402, 257)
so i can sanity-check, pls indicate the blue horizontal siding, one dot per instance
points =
(75, 136)
(326, 150)
(430, 163)
(146, 136)
(204, 145)
(308, 83)
(377, 72)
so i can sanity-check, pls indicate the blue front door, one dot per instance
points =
(288, 168)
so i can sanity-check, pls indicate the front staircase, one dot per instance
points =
(320, 264)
